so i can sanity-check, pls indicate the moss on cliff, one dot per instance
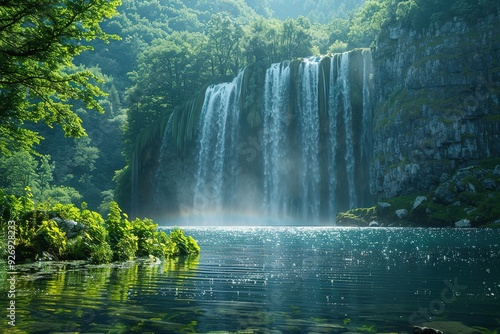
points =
(407, 105)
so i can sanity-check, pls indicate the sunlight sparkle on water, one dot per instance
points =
(209, 218)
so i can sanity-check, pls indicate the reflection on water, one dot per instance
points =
(286, 280)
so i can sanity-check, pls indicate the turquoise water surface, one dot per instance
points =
(276, 280)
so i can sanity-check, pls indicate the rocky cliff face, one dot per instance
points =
(437, 104)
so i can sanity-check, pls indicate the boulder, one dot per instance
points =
(46, 256)
(425, 330)
(382, 209)
(496, 171)
(419, 200)
(444, 177)
(460, 186)
(70, 227)
(489, 184)
(471, 188)
(463, 223)
(450, 327)
(444, 195)
(402, 213)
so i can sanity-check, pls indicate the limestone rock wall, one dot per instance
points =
(437, 103)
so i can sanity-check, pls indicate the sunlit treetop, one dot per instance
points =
(38, 82)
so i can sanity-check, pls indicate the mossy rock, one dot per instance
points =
(454, 327)
(356, 217)
(472, 193)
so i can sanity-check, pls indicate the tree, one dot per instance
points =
(367, 23)
(338, 29)
(19, 171)
(167, 73)
(296, 38)
(38, 40)
(263, 40)
(225, 35)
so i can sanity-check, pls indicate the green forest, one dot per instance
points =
(81, 81)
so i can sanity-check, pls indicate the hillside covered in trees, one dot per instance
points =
(140, 63)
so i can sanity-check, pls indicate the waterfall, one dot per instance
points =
(367, 116)
(275, 149)
(300, 149)
(218, 136)
(307, 102)
(333, 107)
(279, 159)
(349, 134)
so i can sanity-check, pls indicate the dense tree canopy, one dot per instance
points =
(38, 40)
(162, 53)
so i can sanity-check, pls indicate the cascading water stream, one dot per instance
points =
(307, 102)
(275, 150)
(366, 139)
(333, 107)
(218, 132)
(349, 141)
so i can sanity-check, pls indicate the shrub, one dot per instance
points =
(144, 230)
(126, 248)
(184, 245)
(162, 247)
(100, 241)
(101, 253)
(49, 237)
(122, 240)
(76, 249)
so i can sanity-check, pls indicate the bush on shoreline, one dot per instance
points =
(65, 232)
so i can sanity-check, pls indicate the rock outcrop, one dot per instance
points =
(467, 198)
(425, 330)
(438, 104)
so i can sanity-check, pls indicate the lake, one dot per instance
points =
(275, 280)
